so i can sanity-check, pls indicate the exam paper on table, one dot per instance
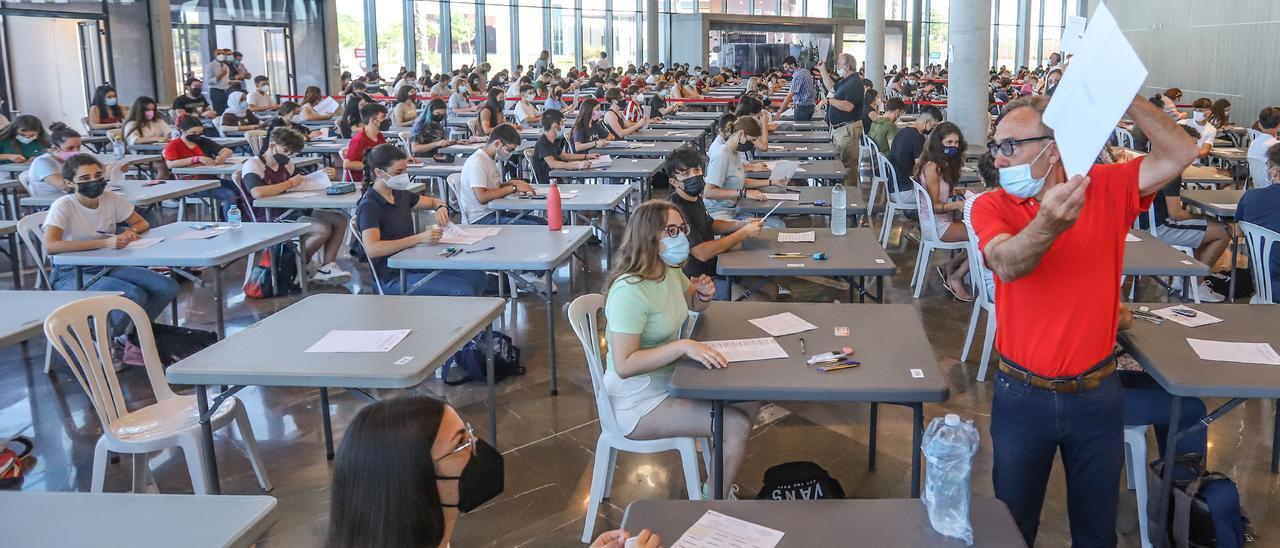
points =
(143, 243)
(291, 194)
(1225, 206)
(316, 180)
(782, 196)
(545, 190)
(197, 235)
(603, 161)
(1259, 353)
(716, 530)
(460, 235)
(796, 237)
(747, 350)
(1105, 76)
(1131, 238)
(345, 340)
(1202, 318)
(784, 169)
(785, 323)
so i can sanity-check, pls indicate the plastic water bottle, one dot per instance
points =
(949, 445)
(555, 218)
(839, 220)
(233, 216)
(117, 149)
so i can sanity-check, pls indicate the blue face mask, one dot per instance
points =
(675, 250)
(1018, 181)
(950, 151)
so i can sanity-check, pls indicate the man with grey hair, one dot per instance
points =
(1056, 246)
(844, 112)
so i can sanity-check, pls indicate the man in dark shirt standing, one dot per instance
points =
(844, 113)
(685, 166)
(550, 151)
(907, 146)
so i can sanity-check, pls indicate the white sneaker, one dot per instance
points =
(330, 274)
(706, 491)
(1208, 295)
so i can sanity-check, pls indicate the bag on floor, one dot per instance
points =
(800, 480)
(262, 285)
(13, 461)
(468, 364)
(175, 343)
(1221, 283)
(1204, 511)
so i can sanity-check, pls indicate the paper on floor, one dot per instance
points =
(1131, 238)
(1239, 352)
(796, 237)
(746, 350)
(1201, 318)
(716, 530)
(347, 340)
(785, 323)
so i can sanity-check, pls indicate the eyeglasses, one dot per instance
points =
(468, 440)
(672, 230)
(1008, 146)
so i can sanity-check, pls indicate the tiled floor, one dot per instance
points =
(548, 441)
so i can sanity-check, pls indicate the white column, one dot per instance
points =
(970, 33)
(875, 44)
(162, 51)
(651, 31)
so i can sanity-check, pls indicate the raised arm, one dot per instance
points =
(1172, 150)
(1014, 256)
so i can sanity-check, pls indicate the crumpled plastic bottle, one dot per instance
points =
(949, 445)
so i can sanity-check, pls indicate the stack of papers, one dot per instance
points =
(316, 180)
(467, 235)
(143, 243)
(1201, 318)
(782, 196)
(785, 323)
(716, 530)
(1238, 352)
(343, 340)
(746, 350)
(796, 237)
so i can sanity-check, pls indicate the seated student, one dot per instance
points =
(588, 131)
(88, 220)
(192, 148)
(406, 109)
(907, 146)
(555, 100)
(310, 99)
(23, 139)
(551, 151)
(458, 101)
(613, 119)
(938, 171)
(1261, 206)
(526, 114)
(648, 300)
(193, 102)
(289, 116)
(726, 175)
(45, 174)
(1264, 137)
(146, 126)
(384, 216)
(429, 133)
(490, 114)
(884, 128)
(372, 115)
(273, 173)
(658, 105)
(350, 123)
(1199, 121)
(685, 166)
(1174, 225)
(407, 468)
(482, 181)
(105, 111)
(237, 116)
(260, 99)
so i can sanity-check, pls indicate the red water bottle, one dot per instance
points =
(554, 217)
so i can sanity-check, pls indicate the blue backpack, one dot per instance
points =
(1204, 510)
(468, 364)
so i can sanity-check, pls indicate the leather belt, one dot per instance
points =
(1067, 385)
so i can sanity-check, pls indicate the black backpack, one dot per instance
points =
(468, 364)
(175, 343)
(1204, 511)
(800, 480)
(262, 285)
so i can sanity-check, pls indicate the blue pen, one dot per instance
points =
(481, 249)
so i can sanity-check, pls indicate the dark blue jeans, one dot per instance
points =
(1146, 402)
(803, 113)
(1028, 427)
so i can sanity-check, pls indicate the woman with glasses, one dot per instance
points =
(647, 303)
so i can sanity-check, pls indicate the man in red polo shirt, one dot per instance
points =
(1056, 247)
(369, 136)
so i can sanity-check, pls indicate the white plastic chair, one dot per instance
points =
(1123, 138)
(929, 237)
(984, 299)
(1135, 457)
(582, 316)
(454, 180)
(878, 176)
(80, 332)
(257, 139)
(355, 234)
(407, 142)
(31, 234)
(891, 206)
(1260, 241)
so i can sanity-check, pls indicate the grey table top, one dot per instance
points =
(516, 247)
(621, 167)
(432, 168)
(8, 227)
(1153, 257)
(139, 192)
(1164, 353)
(899, 523)
(325, 146)
(320, 200)
(26, 311)
(229, 245)
(888, 339)
(857, 253)
(1230, 154)
(678, 123)
(233, 167)
(271, 352)
(812, 136)
(690, 115)
(106, 159)
(634, 149)
(1202, 174)
(231, 142)
(584, 198)
(469, 149)
(855, 204)
(826, 170)
(137, 520)
(1207, 201)
(791, 125)
(825, 151)
(668, 135)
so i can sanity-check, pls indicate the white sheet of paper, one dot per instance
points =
(1225, 206)
(1105, 76)
(345, 340)
(782, 196)
(316, 180)
(1202, 318)
(292, 194)
(716, 530)
(1220, 351)
(824, 44)
(746, 350)
(796, 237)
(784, 169)
(327, 106)
(604, 160)
(466, 235)
(785, 323)
(1131, 238)
(1072, 33)
(197, 235)
(143, 243)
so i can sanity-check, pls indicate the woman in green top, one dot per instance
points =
(23, 140)
(647, 303)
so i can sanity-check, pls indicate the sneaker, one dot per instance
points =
(330, 274)
(1208, 295)
(706, 492)
(784, 294)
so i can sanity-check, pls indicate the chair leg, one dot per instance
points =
(613, 466)
(706, 454)
(195, 462)
(1136, 459)
(692, 480)
(141, 472)
(598, 475)
(48, 357)
(922, 267)
(887, 226)
(973, 327)
(251, 446)
(988, 342)
(100, 457)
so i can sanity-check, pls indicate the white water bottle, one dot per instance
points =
(117, 149)
(233, 216)
(948, 447)
(839, 220)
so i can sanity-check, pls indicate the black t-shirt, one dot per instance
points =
(907, 146)
(597, 131)
(395, 221)
(656, 104)
(849, 89)
(1171, 190)
(190, 105)
(866, 111)
(544, 149)
(700, 230)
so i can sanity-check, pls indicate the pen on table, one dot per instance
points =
(490, 248)
(802, 346)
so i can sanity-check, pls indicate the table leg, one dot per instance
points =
(1166, 479)
(717, 449)
(1235, 249)
(328, 423)
(403, 282)
(862, 292)
(302, 268)
(13, 260)
(219, 301)
(917, 435)
(551, 328)
(871, 436)
(880, 289)
(206, 431)
(490, 385)
(1275, 439)
(79, 279)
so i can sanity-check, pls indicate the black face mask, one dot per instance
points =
(746, 146)
(481, 480)
(92, 189)
(437, 118)
(693, 186)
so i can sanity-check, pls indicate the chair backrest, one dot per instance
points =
(1123, 137)
(24, 179)
(985, 279)
(529, 167)
(1260, 241)
(924, 207)
(354, 227)
(246, 199)
(583, 314)
(407, 142)
(80, 331)
(257, 139)
(31, 233)
(454, 180)
(346, 175)
(891, 178)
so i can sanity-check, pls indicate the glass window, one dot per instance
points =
(462, 31)
(351, 46)
(1052, 33)
(626, 44)
(592, 35)
(818, 8)
(843, 9)
(792, 7)
(738, 6)
(426, 36)
(531, 44)
(390, 19)
(497, 34)
(766, 7)
(936, 31)
(1005, 30)
(563, 50)
(684, 6)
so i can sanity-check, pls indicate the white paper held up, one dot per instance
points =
(1072, 33)
(796, 237)
(347, 340)
(327, 106)
(1105, 76)
(716, 530)
(1239, 352)
(746, 350)
(785, 323)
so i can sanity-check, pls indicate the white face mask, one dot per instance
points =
(841, 71)
(1198, 117)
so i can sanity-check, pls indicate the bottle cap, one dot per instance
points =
(952, 419)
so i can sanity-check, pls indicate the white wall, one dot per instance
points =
(52, 72)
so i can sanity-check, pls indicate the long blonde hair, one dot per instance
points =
(638, 254)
